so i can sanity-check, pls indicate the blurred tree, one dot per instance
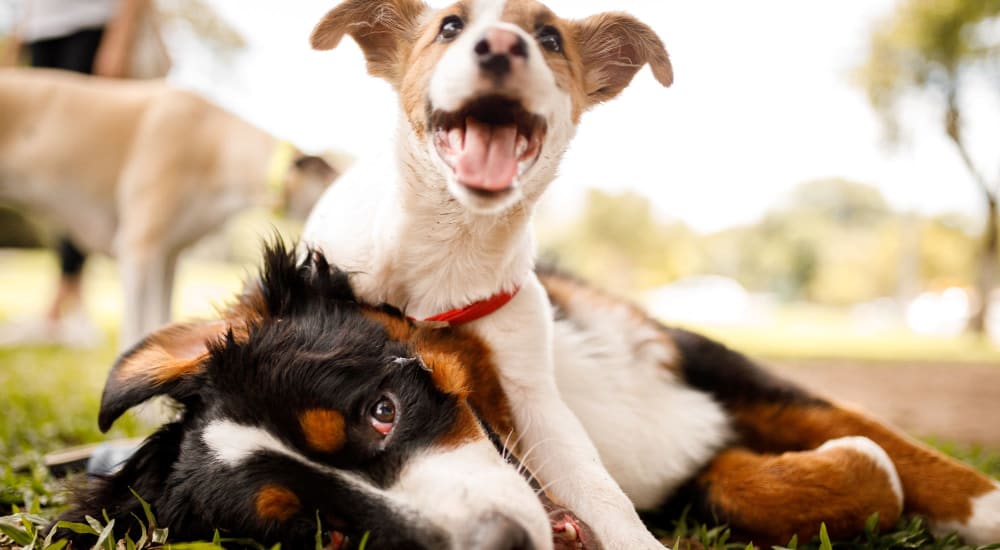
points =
(832, 241)
(935, 47)
(618, 242)
(842, 201)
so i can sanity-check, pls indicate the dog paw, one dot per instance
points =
(983, 525)
(873, 451)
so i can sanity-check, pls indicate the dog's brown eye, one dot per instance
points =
(550, 39)
(451, 27)
(383, 415)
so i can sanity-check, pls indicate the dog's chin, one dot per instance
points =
(481, 202)
(486, 148)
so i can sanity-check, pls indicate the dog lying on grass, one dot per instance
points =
(303, 403)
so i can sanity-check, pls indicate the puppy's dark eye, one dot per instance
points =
(451, 27)
(383, 415)
(550, 39)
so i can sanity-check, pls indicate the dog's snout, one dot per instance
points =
(499, 532)
(498, 49)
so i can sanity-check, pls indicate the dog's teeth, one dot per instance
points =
(570, 531)
(522, 145)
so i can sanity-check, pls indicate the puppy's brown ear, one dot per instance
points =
(383, 28)
(614, 46)
(171, 361)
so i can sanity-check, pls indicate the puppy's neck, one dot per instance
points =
(450, 256)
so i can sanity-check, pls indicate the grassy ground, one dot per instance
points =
(49, 396)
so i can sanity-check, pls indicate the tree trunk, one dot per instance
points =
(986, 272)
(986, 275)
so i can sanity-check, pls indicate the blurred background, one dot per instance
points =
(818, 188)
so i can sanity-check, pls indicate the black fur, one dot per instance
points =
(731, 377)
(311, 348)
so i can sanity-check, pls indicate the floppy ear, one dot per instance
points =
(383, 29)
(171, 361)
(614, 46)
(315, 165)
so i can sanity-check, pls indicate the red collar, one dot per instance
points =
(475, 310)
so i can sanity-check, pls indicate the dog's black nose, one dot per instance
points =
(497, 64)
(497, 532)
(498, 49)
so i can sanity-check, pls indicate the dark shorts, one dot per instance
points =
(73, 52)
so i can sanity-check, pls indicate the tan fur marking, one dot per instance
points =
(461, 365)
(383, 29)
(421, 58)
(466, 428)
(567, 67)
(480, 372)
(776, 496)
(614, 46)
(447, 372)
(175, 351)
(278, 503)
(934, 485)
(398, 328)
(323, 428)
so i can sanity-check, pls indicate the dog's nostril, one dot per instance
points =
(498, 532)
(520, 48)
(482, 47)
(497, 64)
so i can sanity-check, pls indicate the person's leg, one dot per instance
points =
(69, 294)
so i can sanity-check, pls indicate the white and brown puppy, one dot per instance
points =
(139, 171)
(490, 95)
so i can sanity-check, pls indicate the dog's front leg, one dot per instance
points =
(147, 275)
(553, 443)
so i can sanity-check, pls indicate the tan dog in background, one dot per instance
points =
(139, 171)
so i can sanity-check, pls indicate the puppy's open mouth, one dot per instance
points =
(489, 142)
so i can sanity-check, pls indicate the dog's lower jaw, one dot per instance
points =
(458, 488)
(484, 203)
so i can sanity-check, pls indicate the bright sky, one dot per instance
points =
(761, 102)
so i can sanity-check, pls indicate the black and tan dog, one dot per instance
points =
(305, 403)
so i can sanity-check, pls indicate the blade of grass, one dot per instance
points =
(824, 538)
(106, 539)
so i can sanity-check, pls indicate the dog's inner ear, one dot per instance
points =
(613, 47)
(385, 30)
(171, 361)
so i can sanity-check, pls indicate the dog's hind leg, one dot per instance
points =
(773, 415)
(952, 496)
(769, 498)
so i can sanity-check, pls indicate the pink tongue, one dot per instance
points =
(488, 160)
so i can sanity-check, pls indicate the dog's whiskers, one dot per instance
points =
(539, 491)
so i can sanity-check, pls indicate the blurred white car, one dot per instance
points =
(703, 300)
